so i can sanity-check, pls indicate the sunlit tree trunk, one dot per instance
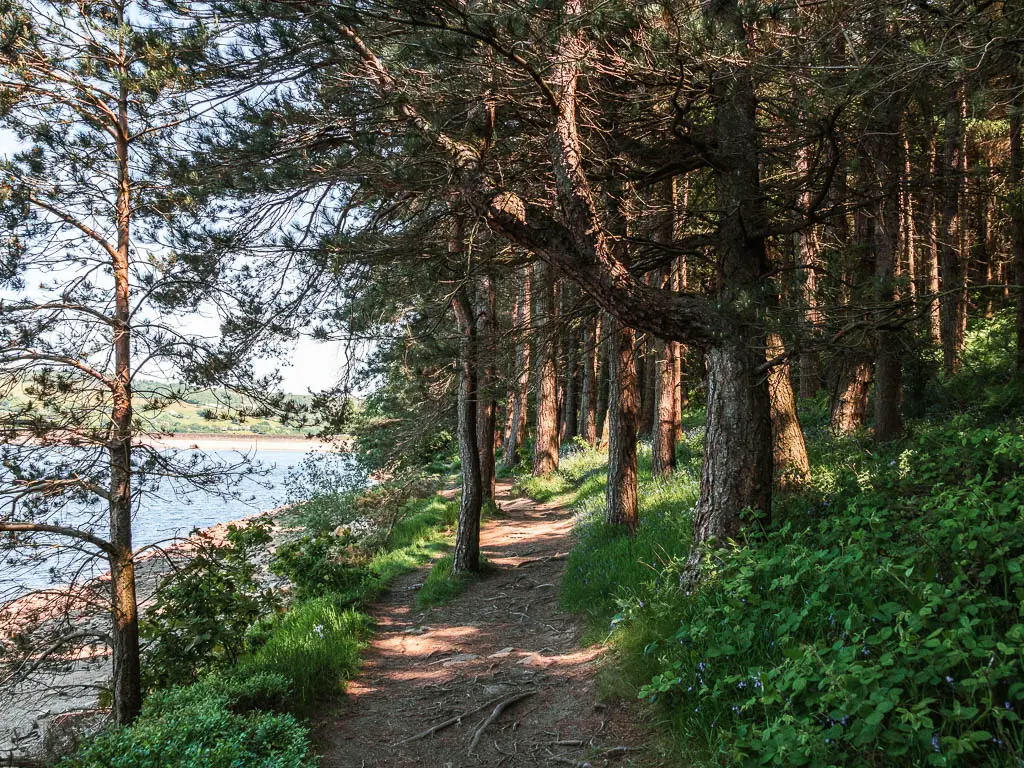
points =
(931, 249)
(127, 682)
(666, 428)
(792, 469)
(545, 452)
(806, 252)
(521, 388)
(570, 403)
(666, 425)
(588, 391)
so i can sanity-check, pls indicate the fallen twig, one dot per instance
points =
(559, 556)
(450, 721)
(501, 707)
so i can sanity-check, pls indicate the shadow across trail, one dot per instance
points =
(494, 677)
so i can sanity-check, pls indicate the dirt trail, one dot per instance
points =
(504, 636)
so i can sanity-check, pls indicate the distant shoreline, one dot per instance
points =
(227, 441)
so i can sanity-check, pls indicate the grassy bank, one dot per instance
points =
(242, 700)
(875, 621)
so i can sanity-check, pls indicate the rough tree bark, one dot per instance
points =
(666, 395)
(570, 401)
(623, 414)
(953, 298)
(792, 469)
(466, 557)
(521, 389)
(854, 362)
(665, 431)
(486, 304)
(545, 451)
(604, 357)
(588, 389)
(883, 156)
(737, 471)
(127, 682)
(850, 397)
(931, 249)
(806, 251)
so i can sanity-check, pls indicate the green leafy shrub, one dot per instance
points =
(315, 645)
(216, 723)
(319, 565)
(877, 624)
(201, 613)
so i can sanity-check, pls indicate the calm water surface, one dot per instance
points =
(170, 515)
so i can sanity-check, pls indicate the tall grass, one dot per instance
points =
(316, 646)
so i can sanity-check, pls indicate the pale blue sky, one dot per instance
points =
(314, 365)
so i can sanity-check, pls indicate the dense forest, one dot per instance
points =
(741, 282)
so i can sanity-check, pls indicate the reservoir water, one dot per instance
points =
(168, 514)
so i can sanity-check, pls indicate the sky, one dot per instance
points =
(313, 365)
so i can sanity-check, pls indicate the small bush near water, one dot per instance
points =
(220, 722)
(877, 622)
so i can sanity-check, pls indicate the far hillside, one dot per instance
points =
(176, 409)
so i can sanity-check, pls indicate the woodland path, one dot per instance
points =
(504, 636)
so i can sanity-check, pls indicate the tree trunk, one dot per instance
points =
(682, 398)
(127, 672)
(545, 452)
(739, 435)
(907, 237)
(666, 395)
(521, 389)
(1016, 188)
(953, 301)
(588, 392)
(486, 406)
(850, 398)
(604, 360)
(806, 251)
(647, 366)
(931, 253)
(623, 414)
(570, 403)
(885, 151)
(791, 467)
(467, 535)
(737, 471)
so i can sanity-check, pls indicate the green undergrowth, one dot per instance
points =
(876, 621)
(442, 585)
(237, 698)
(224, 721)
